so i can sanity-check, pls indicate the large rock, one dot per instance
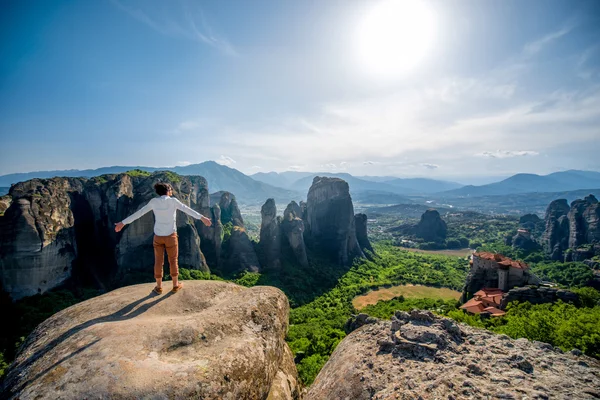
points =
(330, 219)
(556, 236)
(432, 227)
(212, 340)
(539, 295)
(270, 236)
(292, 231)
(418, 355)
(230, 211)
(523, 241)
(60, 228)
(239, 252)
(360, 222)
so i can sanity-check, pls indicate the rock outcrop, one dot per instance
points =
(62, 228)
(572, 227)
(292, 232)
(230, 211)
(432, 227)
(418, 355)
(539, 295)
(5, 202)
(556, 235)
(360, 222)
(239, 253)
(330, 220)
(523, 240)
(270, 236)
(212, 340)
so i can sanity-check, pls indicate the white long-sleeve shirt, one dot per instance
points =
(165, 209)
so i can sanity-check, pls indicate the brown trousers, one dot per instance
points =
(169, 243)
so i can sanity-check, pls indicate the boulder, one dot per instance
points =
(431, 228)
(270, 236)
(330, 220)
(212, 340)
(418, 355)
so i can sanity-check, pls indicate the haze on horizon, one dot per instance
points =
(433, 88)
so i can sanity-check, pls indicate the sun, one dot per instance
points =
(394, 36)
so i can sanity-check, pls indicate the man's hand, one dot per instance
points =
(206, 221)
(119, 226)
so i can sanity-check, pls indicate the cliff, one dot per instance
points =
(569, 228)
(420, 356)
(212, 340)
(63, 228)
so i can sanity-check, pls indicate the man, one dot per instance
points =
(165, 231)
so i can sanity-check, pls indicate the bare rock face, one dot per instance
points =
(524, 241)
(330, 219)
(270, 239)
(360, 222)
(212, 340)
(556, 235)
(230, 211)
(571, 227)
(418, 355)
(539, 295)
(5, 202)
(239, 252)
(292, 230)
(62, 228)
(38, 236)
(432, 227)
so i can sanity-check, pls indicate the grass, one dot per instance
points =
(450, 253)
(408, 291)
(135, 173)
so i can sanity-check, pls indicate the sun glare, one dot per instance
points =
(395, 36)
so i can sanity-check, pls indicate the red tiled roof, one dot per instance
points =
(495, 312)
(488, 292)
(502, 260)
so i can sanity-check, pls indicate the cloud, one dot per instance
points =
(370, 162)
(188, 125)
(180, 19)
(183, 163)
(538, 45)
(343, 163)
(255, 167)
(508, 153)
(330, 166)
(430, 166)
(224, 160)
(294, 167)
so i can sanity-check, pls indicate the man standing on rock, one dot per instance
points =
(165, 231)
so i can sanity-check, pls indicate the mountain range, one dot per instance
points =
(292, 185)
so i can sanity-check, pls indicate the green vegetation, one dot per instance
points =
(172, 176)
(385, 309)
(138, 173)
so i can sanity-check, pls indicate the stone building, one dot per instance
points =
(498, 271)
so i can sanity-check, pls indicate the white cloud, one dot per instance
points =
(370, 162)
(507, 153)
(179, 19)
(183, 163)
(430, 166)
(343, 163)
(224, 160)
(538, 45)
(295, 167)
(330, 166)
(188, 125)
(255, 167)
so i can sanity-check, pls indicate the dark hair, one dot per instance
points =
(162, 188)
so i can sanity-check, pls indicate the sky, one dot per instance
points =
(424, 88)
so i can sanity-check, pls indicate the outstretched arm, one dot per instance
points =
(134, 216)
(192, 213)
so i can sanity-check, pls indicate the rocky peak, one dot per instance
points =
(432, 227)
(330, 219)
(270, 240)
(230, 212)
(292, 229)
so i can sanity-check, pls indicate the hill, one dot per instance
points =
(531, 183)
(424, 185)
(219, 177)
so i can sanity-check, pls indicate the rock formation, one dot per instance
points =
(238, 252)
(62, 228)
(523, 240)
(330, 219)
(270, 240)
(360, 222)
(212, 340)
(539, 295)
(5, 202)
(572, 227)
(432, 227)
(556, 235)
(292, 231)
(230, 212)
(418, 355)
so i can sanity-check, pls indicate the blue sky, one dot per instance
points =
(503, 87)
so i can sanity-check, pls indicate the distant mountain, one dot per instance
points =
(377, 178)
(356, 185)
(219, 177)
(404, 210)
(376, 197)
(280, 179)
(424, 185)
(531, 183)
